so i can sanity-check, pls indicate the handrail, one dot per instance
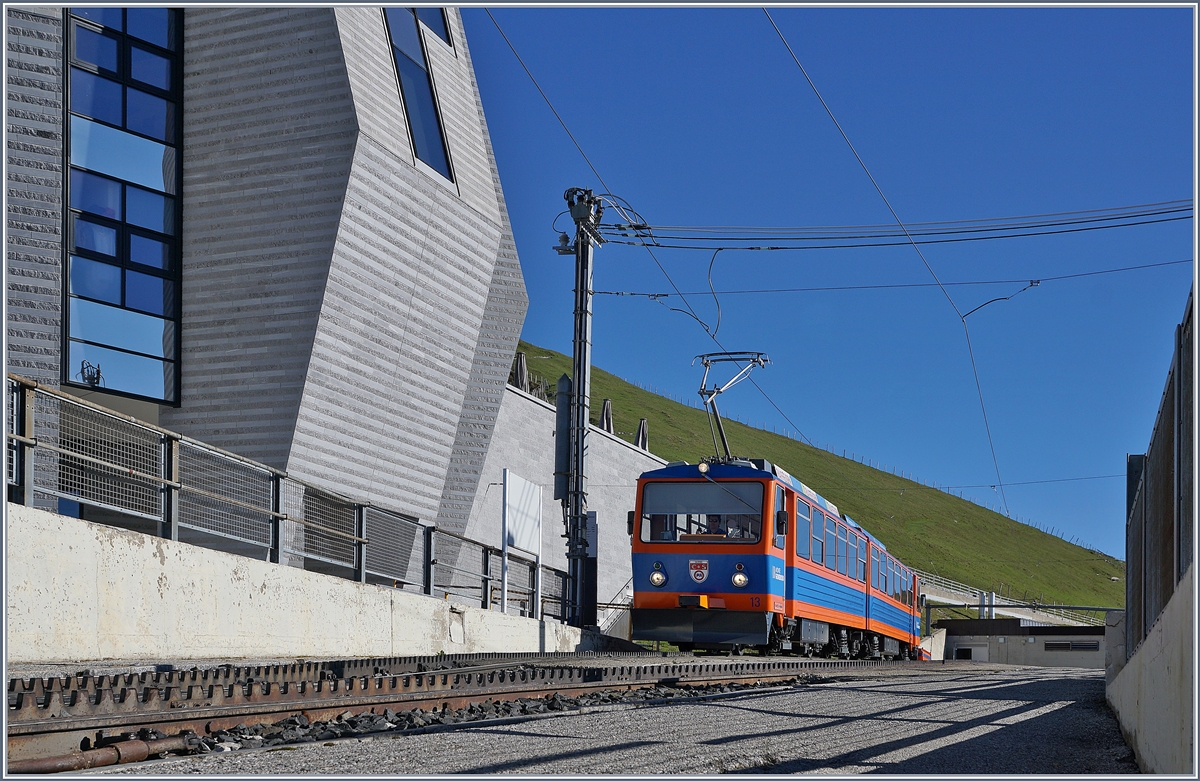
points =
(164, 455)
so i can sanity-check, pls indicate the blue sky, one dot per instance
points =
(700, 117)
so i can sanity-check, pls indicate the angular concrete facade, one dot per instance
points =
(348, 314)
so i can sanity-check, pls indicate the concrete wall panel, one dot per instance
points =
(33, 203)
(1152, 694)
(269, 132)
(79, 592)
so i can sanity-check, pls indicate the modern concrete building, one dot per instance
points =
(1016, 641)
(276, 230)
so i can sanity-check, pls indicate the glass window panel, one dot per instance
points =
(843, 550)
(95, 237)
(95, 96)
(830, 544)
(435, 20)
(99, 50)
(803, 533)
(150, 210)
(151, 24)
(405, 37)
(875, 569)
(95, 194)
(818, 537)
(702, 498)
(151, 115)
(149, 68)
(94, 279)
(124, 372)
(122, 155)
(422, 116)
(149, 252)
(149, 293)
(109, 17)
(121, 328)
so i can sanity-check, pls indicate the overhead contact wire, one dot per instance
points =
(900, 223)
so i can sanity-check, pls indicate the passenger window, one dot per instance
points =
(818, 537)
(830, 543)
(862, 559)
(843, 549)
(874, 569)
(803, 529)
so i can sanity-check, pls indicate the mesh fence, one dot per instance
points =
(396, 548)
(124, 447)
(520, 585)
(10, 411)
(326, 519)
(459, 569)
(213, 473)
(554, 594)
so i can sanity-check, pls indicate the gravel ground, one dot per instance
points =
(922, 720)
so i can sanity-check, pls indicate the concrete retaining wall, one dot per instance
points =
(79, 591)
(1152, 694)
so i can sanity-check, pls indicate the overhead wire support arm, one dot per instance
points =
(709, 395)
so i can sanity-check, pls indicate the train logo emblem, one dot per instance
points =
(698, 569)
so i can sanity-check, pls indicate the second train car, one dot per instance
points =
(733, 554)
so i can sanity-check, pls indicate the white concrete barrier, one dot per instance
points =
(80, 591)
(1152, 693)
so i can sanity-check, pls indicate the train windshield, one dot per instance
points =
(702, 512)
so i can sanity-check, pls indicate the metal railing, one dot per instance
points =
(114, 469)
(972, 594)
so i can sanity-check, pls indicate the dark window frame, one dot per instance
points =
(803, 541)
(173, 273)
(396, 51)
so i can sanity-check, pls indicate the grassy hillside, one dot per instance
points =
(926, 528)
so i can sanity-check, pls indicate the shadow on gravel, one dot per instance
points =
(529, 764)
(1030, 738)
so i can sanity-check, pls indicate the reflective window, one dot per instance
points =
(831, 543)
(862, 560)
(111, 18)
(122, 155)
(874, 569)
(435, 20)
(150, 68)
(416, 88)
(152, 25)
(96, 48)
(702, 512)
(843, 549)
(150, 115)
(96, 96)
(92, 279)
(803, 530)
(818, 536)
(121, 321)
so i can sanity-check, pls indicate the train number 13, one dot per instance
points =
(755, 602)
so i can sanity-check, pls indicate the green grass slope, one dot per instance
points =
(926, 528)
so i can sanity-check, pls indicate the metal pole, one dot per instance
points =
(585, 211)
(504, 544)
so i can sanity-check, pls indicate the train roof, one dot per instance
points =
(758, 468)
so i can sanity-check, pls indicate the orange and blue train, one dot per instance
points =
(734, 554)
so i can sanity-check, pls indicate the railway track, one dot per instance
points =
(74, 722)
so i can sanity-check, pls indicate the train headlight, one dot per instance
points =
(658, 577)
(740, 579)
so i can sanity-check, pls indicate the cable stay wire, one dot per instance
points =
(619, 238)
(966, 331)
(1181, 204)
(896, 286)
(819, 233)
(542, 92)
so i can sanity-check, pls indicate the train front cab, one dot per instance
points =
(708, 567)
